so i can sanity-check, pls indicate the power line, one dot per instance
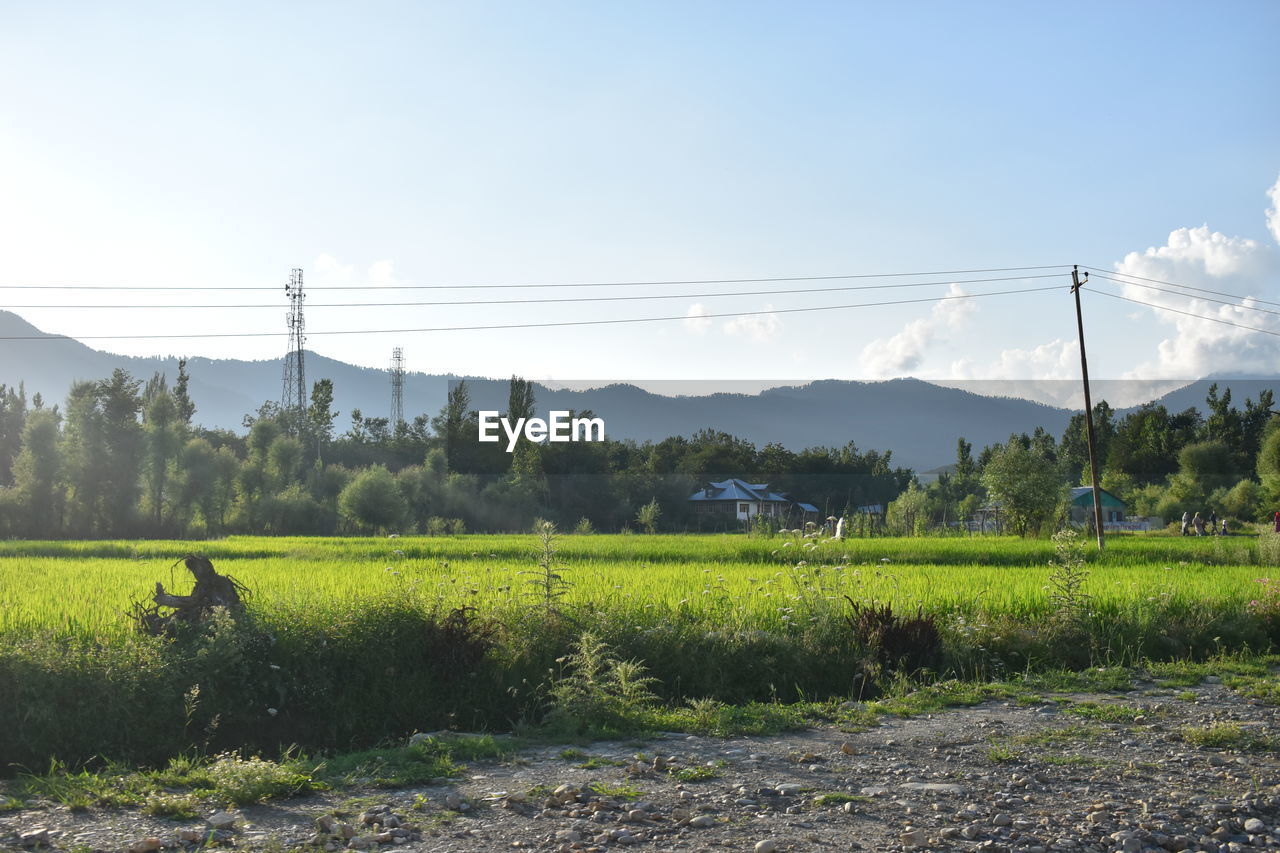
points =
(533, 325)
(1189, 296)
(547, 284)
(1103, 274)
(1185, 313)
(564, 299)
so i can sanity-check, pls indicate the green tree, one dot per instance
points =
(648, 516)
(451, 425)
(13, 414)
(371, 500)
(1027, 486)
(908, 514)
(181, 397)
(120, 405)
(1268, 463)
(36, 474)
(163, 441)
(321, 415)
(85, 461)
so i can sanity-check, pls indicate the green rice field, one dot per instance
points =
(84, 588)
(348, 642)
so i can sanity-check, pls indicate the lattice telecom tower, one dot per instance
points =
(397, 387)
(294, 395)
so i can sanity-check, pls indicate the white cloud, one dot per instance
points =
(1209, 260)
(330, 270)
(1273, 212)
(696, 319)
(382, 272)
(757, 327)
(1058, 359)
(904, 352)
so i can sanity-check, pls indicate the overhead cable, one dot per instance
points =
(312, 288)
(1184, 313)
(186, 335)
(1189, 296)
(563, 299)
(1102, 273)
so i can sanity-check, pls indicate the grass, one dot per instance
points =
(350, 642)
(837, 798)
(616, 792)
(1229, 736)
(82, 587)
(1105, 713)
(695, 774)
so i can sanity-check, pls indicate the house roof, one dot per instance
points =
(807, 507)
(1086, 492)
(734, 489)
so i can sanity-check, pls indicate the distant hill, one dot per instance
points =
(917, 420)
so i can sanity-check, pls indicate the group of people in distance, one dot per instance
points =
(1197, 526)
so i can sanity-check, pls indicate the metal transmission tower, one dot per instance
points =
(294, 396)
(397, 388)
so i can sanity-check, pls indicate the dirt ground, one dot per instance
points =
(1107, 772)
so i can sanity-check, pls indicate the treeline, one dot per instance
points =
(123, 458)
(1160, 463)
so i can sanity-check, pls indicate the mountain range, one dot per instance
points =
(918, 421)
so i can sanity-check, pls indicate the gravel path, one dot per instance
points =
(1060, 775)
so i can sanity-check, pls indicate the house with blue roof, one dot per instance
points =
(1113, 509)
(745, 501)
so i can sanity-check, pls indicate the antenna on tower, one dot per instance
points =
(397, 387)
(293, 398)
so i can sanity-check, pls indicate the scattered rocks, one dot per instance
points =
(995, 778)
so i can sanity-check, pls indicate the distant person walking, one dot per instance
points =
(1213, 521)
(1278, 522)
(1186, 522)
(1224, 528)
(1198, 523)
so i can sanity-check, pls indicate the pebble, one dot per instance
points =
(702, 821)
(222, 820)
(766, 846)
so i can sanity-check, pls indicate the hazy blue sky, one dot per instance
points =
(218, 145)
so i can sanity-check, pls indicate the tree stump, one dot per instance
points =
(211, 591)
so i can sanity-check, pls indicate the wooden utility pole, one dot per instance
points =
(1088, 409)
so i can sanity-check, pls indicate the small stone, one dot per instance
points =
(568, 835)
(326, 823)
(914, 837)
(1001, 819)
(192, 836)
(789, 790)
(453, 802)
(346, 830)
(359, 842)
(849, 807)
(702, 821)
(848, 748)
(971, 831)
(145, 845)
(34, 837)
(1254, 826)
(766, 846)
(222, 820)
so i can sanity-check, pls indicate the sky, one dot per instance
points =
(219, 146)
